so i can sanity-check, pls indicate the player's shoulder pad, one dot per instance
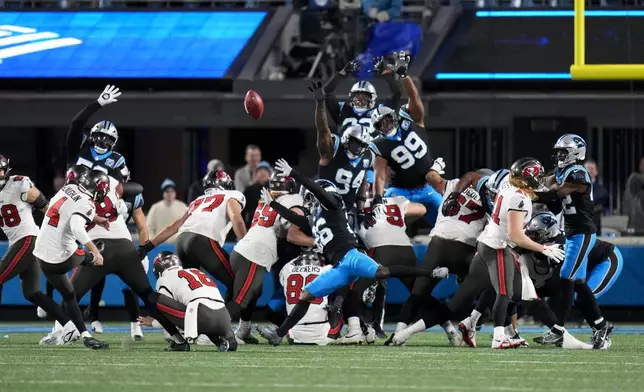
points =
(138, 201)
(237, 195)
(19, 184)
(576, 174)
(518, 201)
(336, 143)
(403, 112)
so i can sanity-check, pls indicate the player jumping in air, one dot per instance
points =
(339, 246)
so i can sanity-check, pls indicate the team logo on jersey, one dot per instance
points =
(532, 171)
(366, 164)
(20, 40)
(109, 162)
(405, 124)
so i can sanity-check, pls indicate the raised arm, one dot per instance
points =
(331, 102)
(414, 103)
(394, 90)
(326, 200)
(325, 141)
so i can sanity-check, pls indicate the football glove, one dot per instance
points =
(440, 273)
(352, 67)
(379, 64)
(401, 65)
(121, 209)
(266, 196)
(283, 167)
(439, 166)
(145, 249)
(378, 209)
(450, 205)
(109, 95)
(554, 252)
(318, 91)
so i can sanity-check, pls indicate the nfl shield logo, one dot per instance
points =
(366, 163)
(109, 162)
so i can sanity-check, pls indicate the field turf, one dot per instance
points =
(426, 364)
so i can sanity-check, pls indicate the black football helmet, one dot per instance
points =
(96, 184)
(218, 179)
(279, 185)
(164, 260)
(74, 174)
(6, 168)
(528, 169)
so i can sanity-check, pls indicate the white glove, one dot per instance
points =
(266, 196)
(554, 251)
(440, 273)
(373, 12)
(109, 95)
(121, 209)
(382, 16)
(379, 212)
(283, 167)
(439, 166)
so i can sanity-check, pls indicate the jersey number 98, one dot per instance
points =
(413, 148)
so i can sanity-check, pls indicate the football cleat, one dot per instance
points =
(40, 312)
(598, 340)
(245, 338)
(468, 333)
(174, 346)
(549, 337)
(52, 337)
(570, 342)
(379, 332)
(519, 340)
(355, 338)
(97, 326)
(94, 343)
(370, 335)
(135, 331)
(69, 334)
(203, 340)
(224, 346)
(504, 342)
(390, 340)
(457, 340)
(270, 334)
(401, 337)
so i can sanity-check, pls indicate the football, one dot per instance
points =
(253, 104)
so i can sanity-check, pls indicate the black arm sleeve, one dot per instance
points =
(333, 107)
(296, 219)
(546, 197)
(75, 133)
(394, 91)
(131, 189)
(326, 200)
(555, 206)
(40, 202)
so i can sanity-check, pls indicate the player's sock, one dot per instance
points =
(449, 329)
(565, 300)
(499, 332)
(131, 303)
(588, 305)
(298, 312)
(418, 326)
(500, 310)
(72, 309)
(558, 329)
(474, 317)
(49, 290)
(403, 271)
(94, 300)
(49, 306)
(400, 326)
(354, 325)
(86, 334)
(244, 328)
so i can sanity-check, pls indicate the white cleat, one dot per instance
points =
(400, 338)
(135, 331)
(52, 337)
(69, 334)
(97, 326)
(504, 342)
(370, 337)
(468, 332)
(41, 313)
(572, 343)
(356, 338)
(203, 340)
(457, 341)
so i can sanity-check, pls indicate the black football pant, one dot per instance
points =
(200, 252)
(121, 258)
(214, 323)
(130, 301)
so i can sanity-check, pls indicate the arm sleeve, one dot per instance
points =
(132, 189)
(77, 224)
(333, 107)
(296, 219)
(74, 138)
(326, 200)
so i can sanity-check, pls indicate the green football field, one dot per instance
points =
(427, 363)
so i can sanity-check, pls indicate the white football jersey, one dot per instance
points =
(208, 215)
(56, 242)
(185, 285)
(107, 209)
(390, 231)
(508, 199)
(468, 222)
(313, 327)
(259, 245)
(16, 215)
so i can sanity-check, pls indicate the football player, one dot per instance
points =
(314, 326)
(605, 264)
(571, 185)
(452, 245)
(204, 227)
(339, 246)
(69, 211)
(256, 253)
(18, 199)
(130, 208)
(191, 300)
(343, 160)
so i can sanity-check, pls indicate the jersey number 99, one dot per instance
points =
(412, 148)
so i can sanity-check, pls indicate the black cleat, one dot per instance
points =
(549, 337)
(601, 335)
(174, 346)
(95, 344)
(248, 339)
(379, 332)
(270, 334)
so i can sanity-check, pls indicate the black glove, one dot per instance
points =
(401, 64)
(451, 205)
(145, 249)
(352, 67)
(379, 64)
(318, 91)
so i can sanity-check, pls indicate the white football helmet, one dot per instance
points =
(355, 99)
(355, 140)
(103, 136)
(384, 121)
(569, 150)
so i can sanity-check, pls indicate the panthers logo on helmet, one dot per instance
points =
(580, 142)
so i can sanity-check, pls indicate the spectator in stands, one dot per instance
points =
(600, 194)
(634, 199)
(382, 10)
(166, 211)
(246, 175)
(253, 191)
(195, 190)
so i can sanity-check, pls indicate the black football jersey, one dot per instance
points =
(349, 116)
(111, 162)
(332, 233)
(345, 173)
(599, 253)
(407, 154)
(578, 208)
